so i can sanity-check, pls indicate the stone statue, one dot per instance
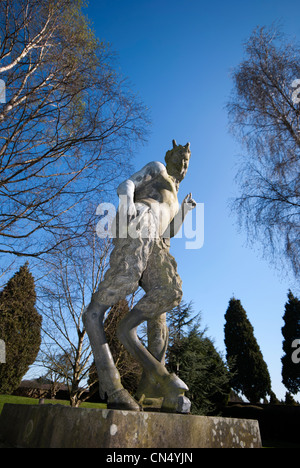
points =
(149, 206)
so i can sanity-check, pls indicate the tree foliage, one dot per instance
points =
(291, 332)
(20, 328)
(244, 357)
(264, 113)
(67, 128)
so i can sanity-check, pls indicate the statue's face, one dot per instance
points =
(177, 161)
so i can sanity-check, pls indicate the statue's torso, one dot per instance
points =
(160, 193)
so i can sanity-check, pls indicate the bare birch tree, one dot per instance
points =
(62, 298)
(264, 113)
(68, 123)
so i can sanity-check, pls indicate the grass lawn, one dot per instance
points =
(32, 401)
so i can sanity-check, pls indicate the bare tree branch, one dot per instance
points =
(72, 276)
(68, 127)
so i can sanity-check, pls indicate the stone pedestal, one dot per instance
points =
(55, 426)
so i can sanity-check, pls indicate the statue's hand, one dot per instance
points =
(127, 208)
(188, 203)
(131, 212)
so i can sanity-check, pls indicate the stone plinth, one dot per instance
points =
(55, 426)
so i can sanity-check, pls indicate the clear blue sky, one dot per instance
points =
(178, 56)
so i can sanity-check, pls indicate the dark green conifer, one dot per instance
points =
(244, 357)
(20, 328)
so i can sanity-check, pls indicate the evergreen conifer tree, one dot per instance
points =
(193, 357)
(291, 333)
(20, 328)
(245, 360)
(289, 400)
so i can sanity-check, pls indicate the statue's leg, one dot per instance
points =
(109, 377)
(120, 280)
(170, 386)
(157, 337)
(163, 292)
(157, 330)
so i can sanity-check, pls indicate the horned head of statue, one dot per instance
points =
(187, 146)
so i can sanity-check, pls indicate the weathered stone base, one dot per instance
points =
(55, 426)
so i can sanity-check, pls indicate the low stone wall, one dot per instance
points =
(54, 426)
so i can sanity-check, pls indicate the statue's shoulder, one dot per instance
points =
(155, 166)
(148, 172)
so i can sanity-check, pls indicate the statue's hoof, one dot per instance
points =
(183, 405)
(121, 400)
